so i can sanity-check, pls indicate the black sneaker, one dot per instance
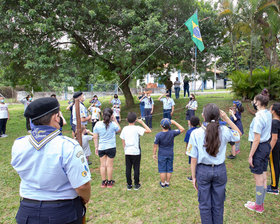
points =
(137, 187)
(110, 183)
(231, 156)
(129, 187)
(162, 185)
(189, 179)
(104, 183)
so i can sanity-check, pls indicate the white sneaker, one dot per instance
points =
(4, 136)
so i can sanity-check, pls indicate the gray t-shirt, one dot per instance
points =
(86, 147)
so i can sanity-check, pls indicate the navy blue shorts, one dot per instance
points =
(70, 211)
(231, 143)
(260, 158)
(165, 164)
(190, 114)
(111, 153)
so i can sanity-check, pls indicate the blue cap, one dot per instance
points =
(165, 123)
(237, 103)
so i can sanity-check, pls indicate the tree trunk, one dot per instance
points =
(126, 90)
(234, 52)
(271, 54)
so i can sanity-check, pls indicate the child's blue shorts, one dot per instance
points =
(260, 158)
(165, 164)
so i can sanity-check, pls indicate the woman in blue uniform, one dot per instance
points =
(207, 147)
(168, 105)
(55, 178)
(149, 108)
(259, 136)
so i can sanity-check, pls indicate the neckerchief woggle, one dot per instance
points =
(42, 134)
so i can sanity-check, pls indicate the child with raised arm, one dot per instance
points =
(194, 125)
(164, 143)
(87, 136)
(131, 144)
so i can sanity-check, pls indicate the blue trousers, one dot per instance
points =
(177, 92)
(148, 117)
(167, 113)
(186, 89)
(70, 212)
(211, 182)
(142, 110)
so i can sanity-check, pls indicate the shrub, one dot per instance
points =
(246, 88)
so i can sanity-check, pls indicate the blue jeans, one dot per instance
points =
(167, 113)
(177, 92)
(148, 117)
(165, 164)
(169, 91)
(187, 89)
(211, 182)
(142, 110)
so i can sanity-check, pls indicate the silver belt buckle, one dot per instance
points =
(212, 165)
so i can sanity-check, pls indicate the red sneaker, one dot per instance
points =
(254, 207)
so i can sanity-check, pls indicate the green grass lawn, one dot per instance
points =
(151, 204)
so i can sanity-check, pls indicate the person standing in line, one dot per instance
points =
(116, 101)
(142, 106)
(207, 147)
(117, 112)
(95, 101)
(186, 86)
(83, 111)
(149, 108)
(177, 85)
(168, 85)
(4, 117)
(191, 108)
(274, 158)
(164, 143)
(87, 136)
(105, 145)
(168, 105)
(259, 136)
(95, 114)
(26, 101)
(131, 144)
(55, 177)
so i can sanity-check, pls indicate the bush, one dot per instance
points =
(246, 88)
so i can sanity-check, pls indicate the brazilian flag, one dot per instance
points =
(193, 27)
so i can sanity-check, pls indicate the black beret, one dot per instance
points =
(77, 94)
(41, 107)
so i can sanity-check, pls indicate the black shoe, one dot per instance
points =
(189, 179)
(129, 187)
(137, 187)
(231, 156)
(89, 163)
(162, 185)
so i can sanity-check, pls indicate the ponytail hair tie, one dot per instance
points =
(213, 121)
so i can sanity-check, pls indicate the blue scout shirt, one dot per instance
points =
(148, 103)
(197, 150)
(167, 103)
(83, 113)
(116, 101)
(188, 134)
(261, 124)
(107, 137)
(165, 142)
(52, 172)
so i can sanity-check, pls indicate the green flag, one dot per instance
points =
(193, 27)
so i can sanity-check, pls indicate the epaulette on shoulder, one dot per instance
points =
(73, 141)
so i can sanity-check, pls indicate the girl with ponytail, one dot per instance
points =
(105, 145)
(207, 147)
(259, 136)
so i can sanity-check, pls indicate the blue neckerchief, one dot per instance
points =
(42, 134)
(204, 124)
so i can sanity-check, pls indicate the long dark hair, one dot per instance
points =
(212, 141)
(276, 108)
(263, 98)
(107, 115)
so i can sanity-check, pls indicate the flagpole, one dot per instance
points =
(195, 53)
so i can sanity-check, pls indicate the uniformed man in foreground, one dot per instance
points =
(55, 178)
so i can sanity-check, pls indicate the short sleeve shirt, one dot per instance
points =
(261, 124)
(148, 103)
(177, 84)
(51, 173)
(86, 147)
(188, 134)
(275, 129)
(3, 111)
(197, 150)
(95, 112)
(83, 113)
(192, 105)
(107, 136)
(130, 134)
(117, 112)
(165, 142)
(116, 101)
(168, 103)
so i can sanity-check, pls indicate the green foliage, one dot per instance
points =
(247, 87)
